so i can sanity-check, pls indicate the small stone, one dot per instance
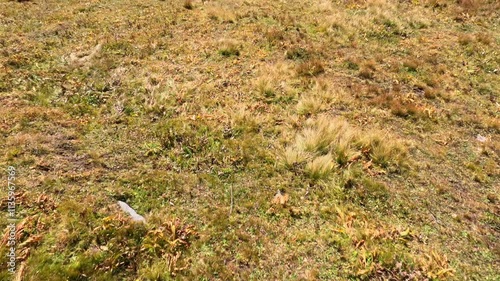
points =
(133, 214)
(480, 138)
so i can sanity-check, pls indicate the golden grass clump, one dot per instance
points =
(383, 150)
(321, 167)
(323, 133)
(293, 157)
(158, 95)
(326, 143)
(265, 88)
(318, 99)
(244, 121)
(309, 105)
(229, 48)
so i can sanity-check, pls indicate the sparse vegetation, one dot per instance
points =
(260, 140)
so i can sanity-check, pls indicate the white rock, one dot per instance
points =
(135, 216)
(480, 138)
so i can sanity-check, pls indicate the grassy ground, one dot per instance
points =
(262, 140)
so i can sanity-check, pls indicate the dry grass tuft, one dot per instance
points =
(274, 36)
(402, 105)
(244, 121)
(293, 157)
(310, 68)
(159, 95)
(465, 39)
(383, 150)
(320, 168)
(228, 48)
(266, 88)
(404, 109)
(309, 105)
(326, 142)
(318, 99)
(484, 38)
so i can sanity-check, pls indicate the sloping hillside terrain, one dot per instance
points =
(261, 140)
